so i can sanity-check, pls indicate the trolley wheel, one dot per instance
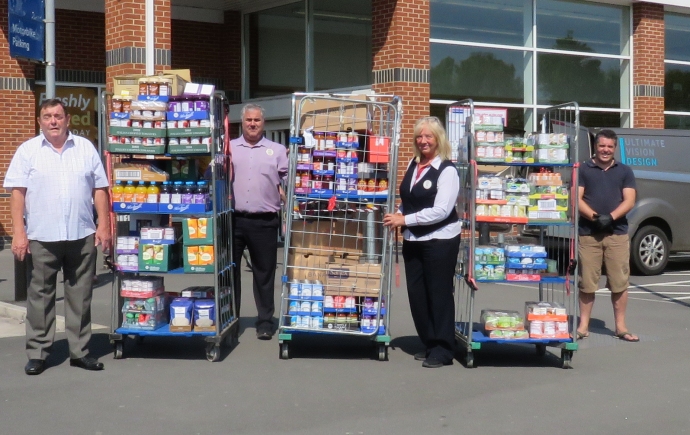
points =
(541, 349)
(119, 350)
(213, 352)
(469, 359)
(566, 359)
(383, 352)
(284, 350)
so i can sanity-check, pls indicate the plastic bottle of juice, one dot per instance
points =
(128, 192)
(200, 193)
(140, 192)
(188, 192)
(118, 191)
(152, 193)
(164, 197)
(176, 195)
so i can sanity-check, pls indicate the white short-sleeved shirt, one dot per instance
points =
(59, 187)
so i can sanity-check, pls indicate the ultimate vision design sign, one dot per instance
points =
(27, 29)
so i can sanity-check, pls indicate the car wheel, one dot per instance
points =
(649, 250)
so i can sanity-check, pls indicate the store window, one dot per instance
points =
(490, 51)
(483, 74)
(342, 44)
(505, 22)
(276, 55)
(677, 71)
(580, 26)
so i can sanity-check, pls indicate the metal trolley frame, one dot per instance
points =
(559, 238)
(336, 246)
(227, 325)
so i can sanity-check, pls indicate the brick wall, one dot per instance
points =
(79, 40)
(198, 47)
(400, 40)
(648, 65)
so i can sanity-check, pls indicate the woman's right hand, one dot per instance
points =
(393, 220)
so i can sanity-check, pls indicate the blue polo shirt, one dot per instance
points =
(604, 193)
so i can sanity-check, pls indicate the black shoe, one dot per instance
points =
(264, 335)
(433, 363)
(420, 356)
(86, 363)
(35, 367)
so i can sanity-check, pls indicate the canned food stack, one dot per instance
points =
(549, 197)
(489, 139)
(547, 320)
(137, 126)
(189, 125)
(127, 253)
(305, 304)
(551, 148)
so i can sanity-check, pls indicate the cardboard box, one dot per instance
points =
(202, 261)
(318, 114)
(131, 148)
(379, 148)
(129, 84)
(353, 279)
(306, 266)
(138, 172)
(324, 236)
(199, 236)
(157, 258)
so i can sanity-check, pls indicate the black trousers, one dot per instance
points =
(430, 270)
(259, 234)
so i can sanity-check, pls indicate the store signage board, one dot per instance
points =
(27, 29)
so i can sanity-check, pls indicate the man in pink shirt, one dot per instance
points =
(259, 167)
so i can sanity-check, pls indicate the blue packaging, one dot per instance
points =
(204, 313)
(181, 312)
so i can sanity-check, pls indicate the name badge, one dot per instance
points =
(269, 152)
(427, 184)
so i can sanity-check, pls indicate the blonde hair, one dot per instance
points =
(434, 124)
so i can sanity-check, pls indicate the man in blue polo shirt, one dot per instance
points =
(606, 194)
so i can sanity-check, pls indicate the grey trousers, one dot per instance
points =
(76, 259)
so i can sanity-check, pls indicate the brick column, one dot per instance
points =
(648, 65)
(17, 113)
(400, 40)
(125, 37)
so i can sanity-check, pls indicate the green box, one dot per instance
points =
(182, 170)
(131, 148)
(188, 241)
(166, 258)
(189, 132)
(188, 268)
(138, 132)
(189, 149)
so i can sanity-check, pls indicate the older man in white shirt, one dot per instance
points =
(56, 178)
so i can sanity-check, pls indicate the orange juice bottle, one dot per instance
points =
(152, 193)
(128, 192)
(118, 191)
(140, 192)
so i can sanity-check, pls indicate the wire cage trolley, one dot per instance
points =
(181, 227)
(342, 178)
(522, 189)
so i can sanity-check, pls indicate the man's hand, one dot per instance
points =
(104, 238)
(603, 222)
(20, 246)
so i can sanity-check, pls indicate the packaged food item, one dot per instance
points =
(193, 255)
(205, 255)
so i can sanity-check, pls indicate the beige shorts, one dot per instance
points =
(613, 252)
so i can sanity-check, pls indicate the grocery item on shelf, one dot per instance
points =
(547, 320)
(503, 320)
(142, 287)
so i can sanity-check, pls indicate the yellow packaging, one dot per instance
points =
(192, 225)
(193, 255)
(201, 229)
(205, 255)
(147, 253)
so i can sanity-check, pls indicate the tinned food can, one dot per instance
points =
(306, 289)
(294, 288)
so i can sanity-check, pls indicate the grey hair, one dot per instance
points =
(252, 106)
